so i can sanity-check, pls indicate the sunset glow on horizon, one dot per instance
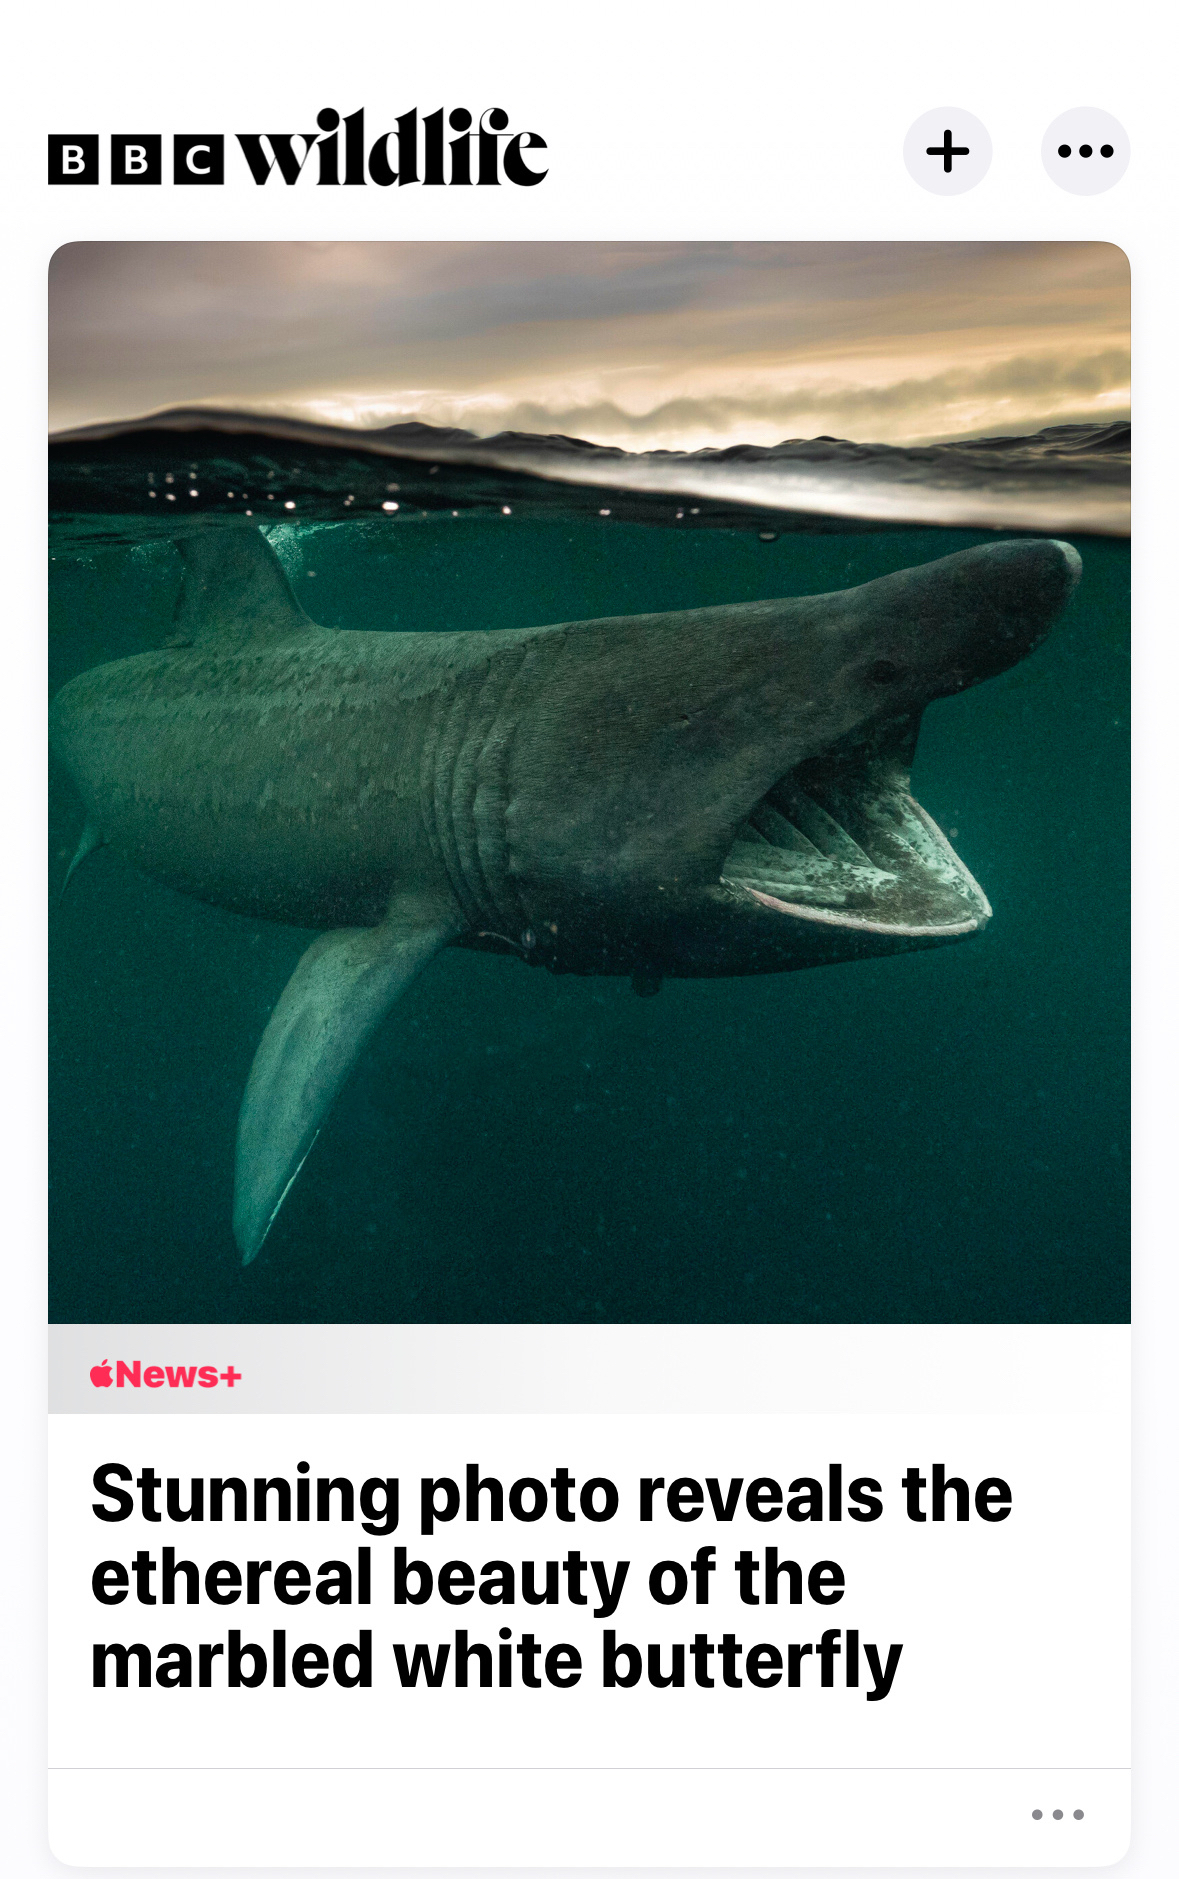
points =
(646, 346)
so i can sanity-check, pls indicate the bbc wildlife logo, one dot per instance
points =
(438, 148)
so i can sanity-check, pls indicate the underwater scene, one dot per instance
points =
(676, 1000)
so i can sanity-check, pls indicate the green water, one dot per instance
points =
(936, 1136)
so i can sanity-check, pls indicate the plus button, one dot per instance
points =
(947, 150)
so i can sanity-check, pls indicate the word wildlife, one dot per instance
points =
(469, 154)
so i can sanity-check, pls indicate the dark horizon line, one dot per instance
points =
(241, 420)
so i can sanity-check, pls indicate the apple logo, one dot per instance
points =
(100, 1375)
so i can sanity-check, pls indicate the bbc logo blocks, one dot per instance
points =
(199, 159)
(196, 158)
(136, 159)
(73, 159)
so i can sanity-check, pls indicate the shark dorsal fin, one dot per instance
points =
(234, 591)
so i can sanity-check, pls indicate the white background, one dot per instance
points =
(757, 120)
(1014, 1632)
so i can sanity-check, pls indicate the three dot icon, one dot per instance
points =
(1085, 151)
(1058, 1813)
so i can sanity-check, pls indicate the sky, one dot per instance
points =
(645, 345)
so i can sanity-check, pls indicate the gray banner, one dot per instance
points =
(221, 1369)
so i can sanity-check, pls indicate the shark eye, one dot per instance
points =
(884, 672)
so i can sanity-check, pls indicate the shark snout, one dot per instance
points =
(1023, 587)
(970, 616)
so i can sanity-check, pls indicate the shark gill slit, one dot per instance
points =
(493, 772)
(432, 800)
(446, 755)
(467, 808)
(459, 784)
(426, 779)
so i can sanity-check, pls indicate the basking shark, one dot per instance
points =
(704, 793)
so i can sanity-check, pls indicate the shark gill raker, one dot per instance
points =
(705, 793)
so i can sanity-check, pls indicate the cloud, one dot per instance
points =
(1008, 394)
(641, 344)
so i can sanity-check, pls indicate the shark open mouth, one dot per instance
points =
(840, 840)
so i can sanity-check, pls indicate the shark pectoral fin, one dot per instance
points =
(337, 995)
(235, 591)
(92, 838)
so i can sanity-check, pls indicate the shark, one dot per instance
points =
(712, 792)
